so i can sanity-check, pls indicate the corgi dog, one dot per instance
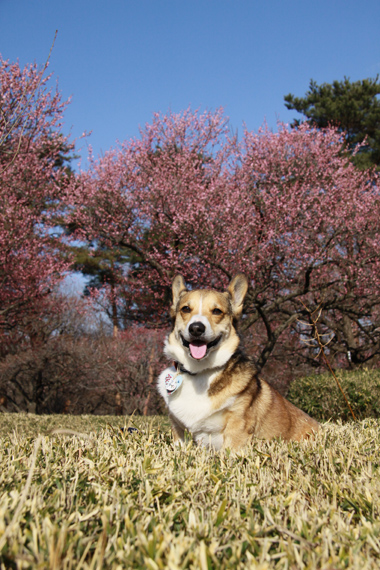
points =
(213, 389)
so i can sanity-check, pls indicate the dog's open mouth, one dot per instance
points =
(198, 348)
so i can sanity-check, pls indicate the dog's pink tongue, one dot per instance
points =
(198, 351)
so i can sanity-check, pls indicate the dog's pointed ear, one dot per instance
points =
(237, 290)
(178, 287)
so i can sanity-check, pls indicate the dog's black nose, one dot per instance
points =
(197, 329)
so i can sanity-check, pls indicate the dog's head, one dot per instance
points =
(204, 334)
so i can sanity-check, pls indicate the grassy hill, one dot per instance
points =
(98, 498)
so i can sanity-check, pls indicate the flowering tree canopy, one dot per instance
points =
(288, 209)
(32, 173)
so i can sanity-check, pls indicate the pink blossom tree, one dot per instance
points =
(33, 152)
(285, 208)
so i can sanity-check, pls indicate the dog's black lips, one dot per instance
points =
(186, 343)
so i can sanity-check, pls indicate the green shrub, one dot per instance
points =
(320, 397)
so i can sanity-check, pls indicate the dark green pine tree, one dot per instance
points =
(103, 265)
(353, 107)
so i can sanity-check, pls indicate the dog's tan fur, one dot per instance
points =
(240, 405)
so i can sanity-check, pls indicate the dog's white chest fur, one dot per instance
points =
(192, 407)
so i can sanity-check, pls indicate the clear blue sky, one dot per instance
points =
(122, 60)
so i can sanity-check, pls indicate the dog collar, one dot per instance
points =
(173, 380)
(182, 369)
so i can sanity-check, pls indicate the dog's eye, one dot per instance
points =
(216, 311)
(186, 309)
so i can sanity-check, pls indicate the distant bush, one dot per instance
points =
(86, 376)
(320, 397)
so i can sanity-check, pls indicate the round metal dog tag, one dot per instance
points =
(172, 382)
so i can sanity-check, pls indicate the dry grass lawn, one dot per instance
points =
(103, 498)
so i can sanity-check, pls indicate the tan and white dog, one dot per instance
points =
(213, 390)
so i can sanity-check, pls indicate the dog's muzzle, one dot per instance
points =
(199, 348)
